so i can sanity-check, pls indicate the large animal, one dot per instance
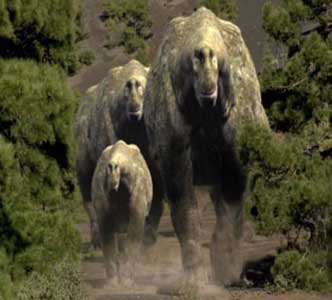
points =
(202, 83)
(110, 111)
(121, 196)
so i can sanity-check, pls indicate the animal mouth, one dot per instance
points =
(135, 114)
(210, 96)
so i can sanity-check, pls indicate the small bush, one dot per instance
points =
(293, 269)
(62, 283)
(86, 57)
(129, 25)
(224, 9)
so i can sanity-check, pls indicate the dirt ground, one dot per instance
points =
(163, 263)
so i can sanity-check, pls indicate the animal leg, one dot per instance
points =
(185, 217)
(227, 263)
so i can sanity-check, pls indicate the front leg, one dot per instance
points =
(109, 242)
(178, 176)
(133, 242)
(228, 199)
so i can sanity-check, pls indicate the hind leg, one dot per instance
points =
(156, 211)
(84, 176)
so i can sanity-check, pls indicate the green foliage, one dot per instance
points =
(37, 182)
(129, 24)
(45, 31)
(289, 187)
(291, 172)
(291, 194)
(86, 57)
(298, 91)
(61, 283)
(224, 9)
(293, 269)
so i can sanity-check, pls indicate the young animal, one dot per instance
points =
(202, 70)
(112, 111)
(121, 195)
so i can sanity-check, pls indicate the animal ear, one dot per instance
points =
(226, 88)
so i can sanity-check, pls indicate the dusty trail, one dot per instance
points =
(163, 263)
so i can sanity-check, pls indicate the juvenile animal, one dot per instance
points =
(200, 86)
(110, 111)
(121, 195)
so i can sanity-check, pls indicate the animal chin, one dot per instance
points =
(209, 98)
(135, 115)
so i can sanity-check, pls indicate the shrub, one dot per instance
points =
(290, 194)
(224, 9)
(37, 183)
(297, 93)
(293, 269)
(61, 283)
(45, 31)
(297, 89)
(129, 25)
(86, 57)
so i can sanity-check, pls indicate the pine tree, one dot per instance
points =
(290, 172)
(37, 181)
(43, 30)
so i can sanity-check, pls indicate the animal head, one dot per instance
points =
(206, 70)
(204, 63)
(134, 97)
(113, 175)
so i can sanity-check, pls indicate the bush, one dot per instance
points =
(129, 24)
(293, 269)
(297, 89)
(290, 194)
(37, 182)
(297, 93)
(224, 9)
(61, 283)
(45, 31)
(86, 57)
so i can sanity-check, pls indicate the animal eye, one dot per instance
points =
(128, 84)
